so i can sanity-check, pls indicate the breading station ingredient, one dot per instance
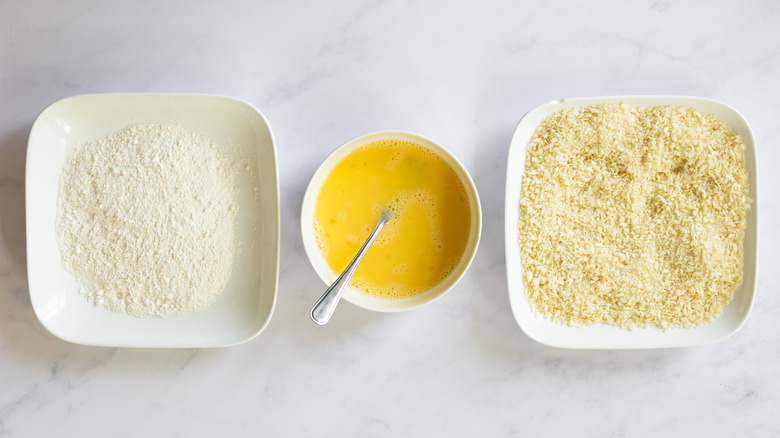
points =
(146, 220)
(632, 217)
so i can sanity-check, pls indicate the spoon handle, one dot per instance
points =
(323, 309)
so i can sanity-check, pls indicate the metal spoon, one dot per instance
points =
(323, 309)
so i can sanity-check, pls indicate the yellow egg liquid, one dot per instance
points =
(423, 241)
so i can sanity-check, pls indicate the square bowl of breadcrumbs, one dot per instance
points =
(631, 222)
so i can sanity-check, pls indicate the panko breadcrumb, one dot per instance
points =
(632, 217)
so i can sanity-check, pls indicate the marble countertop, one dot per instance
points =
(462, 73)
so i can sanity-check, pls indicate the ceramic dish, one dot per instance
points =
(360, 298)
(244, 308)
(602, 336)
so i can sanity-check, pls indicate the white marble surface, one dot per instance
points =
(462, 73)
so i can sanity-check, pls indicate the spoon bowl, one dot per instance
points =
(357, 295)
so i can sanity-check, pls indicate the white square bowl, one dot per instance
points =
(242, 133)
(600, 336)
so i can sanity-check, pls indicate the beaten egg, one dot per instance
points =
(427, 235)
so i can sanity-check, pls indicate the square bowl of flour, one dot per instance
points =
(152, 220)
(631, 222)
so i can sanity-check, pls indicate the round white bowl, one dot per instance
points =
(358, 297)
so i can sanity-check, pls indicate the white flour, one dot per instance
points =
(146, 220)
